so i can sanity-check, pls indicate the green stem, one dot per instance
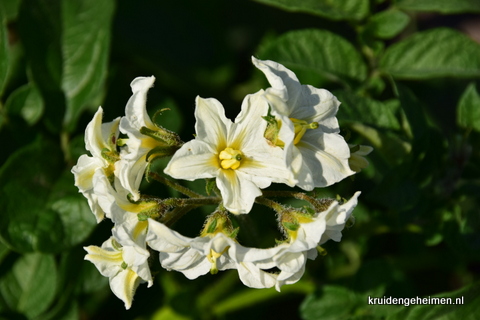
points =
(297, 195)
(174, 185)
(270, 203)
(173, 216)
(184, 202)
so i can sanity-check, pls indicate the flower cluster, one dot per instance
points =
(287, 133)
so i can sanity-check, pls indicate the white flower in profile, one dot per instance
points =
(208, 253)
(100, 140)
(138, 145)
(125, 266)
(336, 217)
(236, 154)
(309, 133)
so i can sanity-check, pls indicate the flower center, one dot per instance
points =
(230, 158)
(300, 127)
(212, 258)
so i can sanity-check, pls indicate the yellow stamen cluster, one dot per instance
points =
(230, 158)
(300, 127)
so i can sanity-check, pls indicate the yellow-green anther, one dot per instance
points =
(300, 127)
(230, 158)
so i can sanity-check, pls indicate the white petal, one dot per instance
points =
(212, 125)
(83, 171)
(238, 192)
(194, 160)
(254, 277)
(124, 285)
(326, 156)
(136, 115)
(164, 239)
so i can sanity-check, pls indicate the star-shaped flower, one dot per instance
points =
(236, 154)
(314, 151)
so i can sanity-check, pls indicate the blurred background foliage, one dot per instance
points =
(406, 71)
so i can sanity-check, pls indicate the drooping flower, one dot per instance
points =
(145, 139)
(309, 132)
(100, 140)
(236, 154)
(214, 250)
(125, 266)
(304, 233)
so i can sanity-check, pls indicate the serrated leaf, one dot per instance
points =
(442, 6)
(317, 50)
(387, 24)
(434, 53)
(468, 109)
(26, 102)
(368, 111)
(43, 211)
(4, 50)
(334, 10)
(29, 287)
(85, 49)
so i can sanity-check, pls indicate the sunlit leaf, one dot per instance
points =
(4, 50)
(317, 50)
(85, 49)
(434, 53)
(335, 10)
(442, 6)
(387, 24)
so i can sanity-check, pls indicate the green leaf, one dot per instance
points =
(334, 10)
(29, 287)
(85, 50)
(368, 111)
(387, 24)
(332, 302)
(40, 30)
(27, 102)
(4, 50)
(43, 211)
(468, 109)
(468, 309)
(434, 53)
(317, 50)
(442, 6)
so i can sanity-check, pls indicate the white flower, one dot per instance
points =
(114, 202)
(305, 234)
(100, 140)
(314, 151)
(126, 267)
(336, 217)
(197, 256)
(134, 159)
(236, 154)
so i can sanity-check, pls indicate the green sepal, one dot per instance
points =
(269, 117)
(309, 210)
(234, 233)
(212, 226)
(124, 265)
(157, 114)
(110, 156)
(210, 186)
(117, 246)
(321, 251)
(162, 135)
(162, 151)
(292, 226)
(355, 148)
(142, 217)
